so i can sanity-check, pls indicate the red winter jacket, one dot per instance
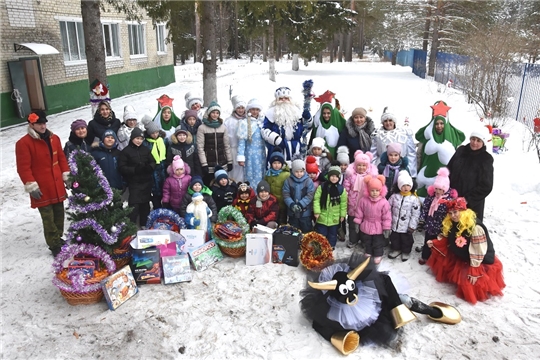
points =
(263, 215)
(38, 169)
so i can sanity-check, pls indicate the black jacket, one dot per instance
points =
(139, 183)
(98, 125)
(107, 159)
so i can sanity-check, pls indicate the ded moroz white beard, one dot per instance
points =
(287, 115)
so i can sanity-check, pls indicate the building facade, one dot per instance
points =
(43, 61)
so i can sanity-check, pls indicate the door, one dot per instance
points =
(20, 91)
(27, 83)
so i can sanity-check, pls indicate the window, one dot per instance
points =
(136, 39)
(110, 39)
(160, 36)
(72, 40)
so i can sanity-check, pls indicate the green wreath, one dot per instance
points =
(224, 214)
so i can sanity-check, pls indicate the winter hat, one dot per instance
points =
(442, 181)
(213, 106)
(404, 179)
(147, 118)
(343, 155)
(129, 113)
(192, 98)
(220, 173)
(243, 188)
(135, 133)
(253, 104)
(311, 165)
(374, 182)
(388, 115)
(196, 195)
(237, 101)
(196, 180)
(361, 158)
(109, 132)
(283, 92)
(263, 186)
(359, 111)
(318, 142)
(190, 113)
(297, 164)
(277, 156)
(177, 163)
(393, 148)
(151, 128)
(77, 124)
(37, 117)
(334, 170)
(180, 130)
(482, 133)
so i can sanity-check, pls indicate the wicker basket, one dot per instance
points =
(121, 257)
(74, 298)
(234, 249)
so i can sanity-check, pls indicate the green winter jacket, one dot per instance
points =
(332, 214)
(276, 185)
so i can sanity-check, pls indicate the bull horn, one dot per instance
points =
(328, 285)
(353, 274)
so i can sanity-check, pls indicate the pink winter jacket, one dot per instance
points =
(373, 215)
(353, 197)
(174, 188)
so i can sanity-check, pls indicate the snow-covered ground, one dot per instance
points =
(232, 311)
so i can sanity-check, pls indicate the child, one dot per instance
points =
(106, 156)
(298, 192)
(176, 185)
(373, 216)
(231, 123)
(251, 144)
(213, 143)
(243, 197)
(136, 164)
(276, 176)
(130, 123)
(78, 138)
(342, 158)
(191, 123)
(165, 118)
(224, 189)
(312, 170)
(354, 185)
(153, 140)
(405, 207)
(196, 185)
(197, 214)
(181, 143)
(194, 101)
(434, 210)
(330, 206)
(264, 208)
(321, 154)
(391, 164)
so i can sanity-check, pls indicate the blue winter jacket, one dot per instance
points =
(299, 191)
(107, 159)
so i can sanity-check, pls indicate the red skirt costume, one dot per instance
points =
(453, 264)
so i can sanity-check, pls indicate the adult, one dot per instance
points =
(328, 124)
(285, 126)
(231, 123)
(43, 169)
(389, 133)
(465, 255)
(165, 117)
(357, 134)
(78, 138)
(104, 119)
(438, 142)
(471, 171)
(194, 101)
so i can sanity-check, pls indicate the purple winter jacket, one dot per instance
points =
(433, 224)
(174, 189)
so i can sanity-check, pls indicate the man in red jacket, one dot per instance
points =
(43, 169)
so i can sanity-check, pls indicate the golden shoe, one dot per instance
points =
(345, 342)
(402, 315)
(451, 315)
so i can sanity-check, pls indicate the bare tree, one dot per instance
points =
(271, 53)
(209, 48)
(198, 47)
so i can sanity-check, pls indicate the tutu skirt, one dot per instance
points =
(447, 267)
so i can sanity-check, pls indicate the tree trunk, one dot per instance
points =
(295, 65)
(348, 46)
(394, 57)
(271, 53)
(361, 36)
(209, 43)
(435, 40)
(340, 50)
(265, 49)
(331, 48)
(319, 57)
(93, 39)
(250, 50)
(221, 31)
(235, 32)
(306, 61)
(425, 41)
(198, 47)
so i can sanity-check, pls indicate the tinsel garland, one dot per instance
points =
(102, 180)
(233, 212)
(105, 236)
(162, 213)
(316, 251)
(78, 281)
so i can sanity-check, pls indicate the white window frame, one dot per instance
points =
(66, 42)
(137, 34)
(161, 38)
(111, 34)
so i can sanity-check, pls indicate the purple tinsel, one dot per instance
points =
(78, 281)
(107, 238)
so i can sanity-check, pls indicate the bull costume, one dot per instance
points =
(350, 302)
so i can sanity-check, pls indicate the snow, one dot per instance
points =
(232, 311)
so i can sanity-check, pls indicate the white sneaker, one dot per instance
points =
(394, 254)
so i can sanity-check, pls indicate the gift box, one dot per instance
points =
(258, 249)
(285, 248)
(145, 266)
(149, 238)
(85, 257)
(119, 287)
(206, 255)
(263, 229)
(87, 266)
(193, 238)
(176, 269)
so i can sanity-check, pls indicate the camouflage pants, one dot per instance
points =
(52, 217)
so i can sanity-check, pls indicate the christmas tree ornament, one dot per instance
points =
(75, 185)
(114, 229)
(79, 238)
(86, 198)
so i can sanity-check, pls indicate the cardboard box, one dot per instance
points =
(87, 266)
(193, 238)
(258, 249)
(119, 287)
(84, 257)
(206, 255)
(285, 249)
(176, 269)
(263, 229)
(149, 238)
(145, 266)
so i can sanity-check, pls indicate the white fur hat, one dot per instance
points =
(388, 115)
(318, 142)
(129, 113)
(192, 98)
(237, 101)
(283, 92)
(482, 133)
(404, 179)
(342, 155)
(253, 104)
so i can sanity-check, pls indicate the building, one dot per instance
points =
(43, 62)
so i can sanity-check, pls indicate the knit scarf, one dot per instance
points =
(331, 189)
(395, 168)
(46, 136)
(272, 172)
(212, 124)
(359, 183)
(178, 177)
(434, 205)
(259, 202)
(158, 149)
(408, 193)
